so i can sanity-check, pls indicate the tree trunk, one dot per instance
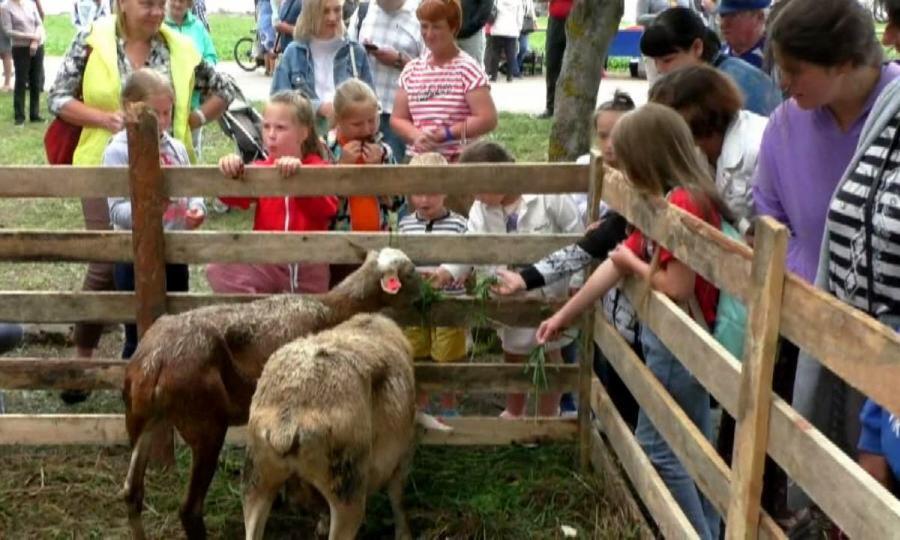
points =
(589, 29)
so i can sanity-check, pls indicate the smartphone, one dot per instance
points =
(371, 47)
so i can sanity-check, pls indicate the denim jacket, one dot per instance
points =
(295, 70)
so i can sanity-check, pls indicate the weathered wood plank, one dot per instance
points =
(112, 307)
(273, 247)
(107, 374)
(858, 504)
(651, 489)
(755, 398)
(694, 451)
(36, 181)
(109, 430)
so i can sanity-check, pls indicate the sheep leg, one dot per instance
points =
(346, 516)
(395, 495)
(261, 485)
(133, 491)
(205, 447)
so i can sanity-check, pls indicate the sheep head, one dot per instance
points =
(387, 278)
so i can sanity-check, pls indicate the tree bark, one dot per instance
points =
(589, 30)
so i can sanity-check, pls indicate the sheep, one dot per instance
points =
(336, 410)
(197, 371)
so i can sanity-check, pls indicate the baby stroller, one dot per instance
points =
(242, 124)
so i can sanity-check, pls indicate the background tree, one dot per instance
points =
(590, 28)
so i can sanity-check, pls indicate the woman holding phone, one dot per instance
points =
(390, 32)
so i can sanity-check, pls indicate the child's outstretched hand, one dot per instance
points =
(351, 152)
(232, 166)
(624, 259)
(193, 218)
(440, 278)
(288, 165)
(549, 329)
(509, 282)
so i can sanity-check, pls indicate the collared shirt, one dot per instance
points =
(398, 30)
(801, 159)
(737, 164)
(761, 94)
(67, 85)
(755, 56)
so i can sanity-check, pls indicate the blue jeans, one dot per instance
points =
(523, 50)
(694, 399)
(394, 141)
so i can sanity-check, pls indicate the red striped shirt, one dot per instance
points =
(437, 94)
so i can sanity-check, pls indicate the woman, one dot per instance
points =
(677, 38)
(87, 93)
(321, 57)
(830, 65)
(22, 23)
(504, 37)
(443, 99)
(265, 30)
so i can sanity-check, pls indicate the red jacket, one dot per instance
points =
(559, 9)
(289, 213)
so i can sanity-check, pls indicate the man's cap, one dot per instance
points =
(734, 6)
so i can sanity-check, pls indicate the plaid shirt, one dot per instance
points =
(67, 85)
(398, 30)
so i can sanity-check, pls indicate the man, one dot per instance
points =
(470, 38)
(390, 32)
(743, 26)
(891, 36)
(555, 48)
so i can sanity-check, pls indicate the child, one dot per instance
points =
(676, 171)
(148, 86)
(440, 344)
(355, 140)
(879, 445)
(513, 213)
(290, 138)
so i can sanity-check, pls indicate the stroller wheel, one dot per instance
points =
(243, 54)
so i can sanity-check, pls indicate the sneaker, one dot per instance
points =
(72, 397)
(506, 415)
(20, 123)
(37, 118)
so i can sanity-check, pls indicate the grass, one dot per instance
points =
(506, 492)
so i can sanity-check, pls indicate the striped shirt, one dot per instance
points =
(450, 223)
(437, 95)
(851, 253)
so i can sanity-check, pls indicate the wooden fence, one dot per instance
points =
(859, 349)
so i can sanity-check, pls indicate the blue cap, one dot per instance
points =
(733, 6)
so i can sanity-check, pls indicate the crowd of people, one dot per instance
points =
(795, 116)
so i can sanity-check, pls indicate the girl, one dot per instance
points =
(677, 172)
(23, 24)
(150, 87)
(355, 140)
(291, 141)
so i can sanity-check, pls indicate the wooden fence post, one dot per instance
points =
(585, 441)
(755, 397)
(148, 202)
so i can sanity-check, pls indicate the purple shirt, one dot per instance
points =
(801, 159)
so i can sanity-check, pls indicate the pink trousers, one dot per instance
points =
(268, 278)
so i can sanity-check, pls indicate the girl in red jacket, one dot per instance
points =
(291, 141)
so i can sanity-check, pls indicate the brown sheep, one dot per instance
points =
(197, 370)
(336, 410)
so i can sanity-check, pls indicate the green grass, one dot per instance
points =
(224, 29)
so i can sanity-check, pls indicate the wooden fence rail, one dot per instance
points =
(778, 304)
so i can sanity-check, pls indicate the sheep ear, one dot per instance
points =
(390, 283)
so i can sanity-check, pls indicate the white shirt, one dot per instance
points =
(510, 14)
(737, 162)
(398, 30)
(323, 51)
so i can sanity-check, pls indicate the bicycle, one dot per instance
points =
(246, 52)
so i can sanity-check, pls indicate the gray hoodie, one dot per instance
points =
(172, 152)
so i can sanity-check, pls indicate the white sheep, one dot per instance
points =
(336, 410)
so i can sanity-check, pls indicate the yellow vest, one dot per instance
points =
(102, 87)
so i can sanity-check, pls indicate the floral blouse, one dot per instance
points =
(67, 86)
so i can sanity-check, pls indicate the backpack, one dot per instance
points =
(730, 325)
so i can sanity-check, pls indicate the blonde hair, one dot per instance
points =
(304, 115)
(428, 158)
(672, 161)
(353, 92)
(310, 21)
(145, 83)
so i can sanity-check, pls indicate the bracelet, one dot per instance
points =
(448, 135)
(202, 116)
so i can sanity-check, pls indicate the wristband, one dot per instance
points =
(202, 116)
(448, 135)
